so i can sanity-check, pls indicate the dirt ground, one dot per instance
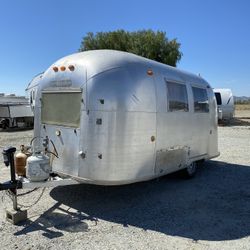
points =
(210, 211)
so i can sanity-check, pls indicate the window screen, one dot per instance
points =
(62, 108)
(218, 97)
(177, 97)
(200, 100)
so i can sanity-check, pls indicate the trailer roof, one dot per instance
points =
(35, 81)
(97, 61)
(222, 90)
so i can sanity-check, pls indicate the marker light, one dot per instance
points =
(150, 72)
(62, 68)
(58, 132)
(71, 67)
(55, 69)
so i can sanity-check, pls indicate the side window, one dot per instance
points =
(200, 100)
(218, 97)
(177, 96)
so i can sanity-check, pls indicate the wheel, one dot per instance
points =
(5, 124)
(190, 170)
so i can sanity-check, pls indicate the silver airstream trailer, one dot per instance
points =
(115, 118)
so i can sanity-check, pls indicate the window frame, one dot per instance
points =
(64, 122)
(183, 84)
(204, 89)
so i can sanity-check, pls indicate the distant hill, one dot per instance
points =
(241, 99)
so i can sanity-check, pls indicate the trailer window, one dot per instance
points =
(61, 108)
(200, 100)
(177, 97)
(218, 98)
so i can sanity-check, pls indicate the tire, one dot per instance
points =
(190, 170)
(5, 124)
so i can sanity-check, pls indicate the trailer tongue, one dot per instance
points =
(40, 178)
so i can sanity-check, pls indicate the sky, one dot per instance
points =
(214, 35)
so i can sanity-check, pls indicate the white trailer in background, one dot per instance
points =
(15, 111)
(225, 103)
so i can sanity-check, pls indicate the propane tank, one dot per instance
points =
(38, 167)
(20, 161)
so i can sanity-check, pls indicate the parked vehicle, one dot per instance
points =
(15, 111)
(225, 103)
(115, 118)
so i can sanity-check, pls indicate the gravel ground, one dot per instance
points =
(210, 211)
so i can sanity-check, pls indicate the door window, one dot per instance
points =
(200, 100)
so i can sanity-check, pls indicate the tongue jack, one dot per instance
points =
(14, 215)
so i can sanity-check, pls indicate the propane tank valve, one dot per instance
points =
(46, 142)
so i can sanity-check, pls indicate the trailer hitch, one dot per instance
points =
(15, 214)
(9, 185)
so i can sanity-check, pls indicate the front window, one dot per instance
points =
(61, 108)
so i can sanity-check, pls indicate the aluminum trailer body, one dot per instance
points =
(32, 89)
(117, 118)
(225, 103)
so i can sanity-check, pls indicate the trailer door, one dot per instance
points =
(173, 126)
(200, 122)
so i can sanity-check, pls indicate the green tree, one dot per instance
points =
(146, 43)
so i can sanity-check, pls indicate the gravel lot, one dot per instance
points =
(210, 211)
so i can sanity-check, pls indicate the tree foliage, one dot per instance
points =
(146, 43)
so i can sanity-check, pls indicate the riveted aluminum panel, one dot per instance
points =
(124, 142)
(67, 146)
(171, 159)
(123, 89)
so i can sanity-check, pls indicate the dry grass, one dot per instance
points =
(242, 106)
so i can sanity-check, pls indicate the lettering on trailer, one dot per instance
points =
(61, 83)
